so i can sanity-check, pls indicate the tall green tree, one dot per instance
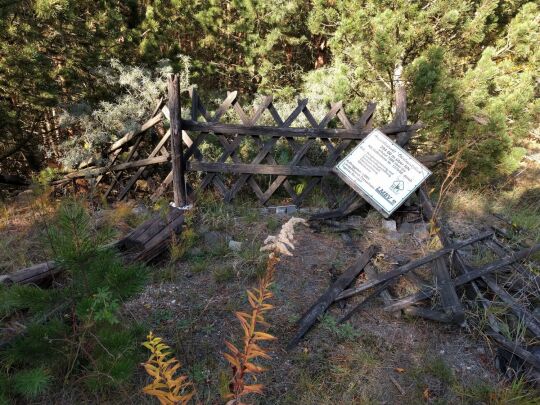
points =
(470, 68)
(250, 45)
(48, 52)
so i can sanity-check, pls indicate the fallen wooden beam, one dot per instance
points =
(532, 280)
(381, 288)
(143, 244)
(382, 291)
(381, 278)
(322, 304)
(449, 298)
(32, 275)
(465, 278)
(13, 180)
(522, 313)
(516, 349)
(441, 276)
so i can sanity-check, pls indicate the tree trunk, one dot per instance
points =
(400, 102)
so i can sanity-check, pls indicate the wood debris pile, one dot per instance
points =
(451, 289)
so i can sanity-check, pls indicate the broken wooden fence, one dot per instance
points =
(233, 169)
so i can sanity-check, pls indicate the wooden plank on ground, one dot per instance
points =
(473, 274)
(31, 275)
(322, 304)
(381, 278)
(441, 275)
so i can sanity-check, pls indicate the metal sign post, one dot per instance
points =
(382, 172)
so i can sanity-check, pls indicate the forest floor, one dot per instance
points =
(376, 357)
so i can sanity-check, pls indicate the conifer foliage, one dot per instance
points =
(72, 329)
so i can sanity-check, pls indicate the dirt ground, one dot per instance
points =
(377, 357)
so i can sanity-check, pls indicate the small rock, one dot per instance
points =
(356, 221)
(140, 210)
(421, 231)
(283, 209)
(406, 227)
(389, 225)
(142, 185)
(235, 246)
(24, 197)
(393, 235)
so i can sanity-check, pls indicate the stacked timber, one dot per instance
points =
(149, 240)
(144, 244)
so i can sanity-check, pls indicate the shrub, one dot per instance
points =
(75, 328)
(97, 128)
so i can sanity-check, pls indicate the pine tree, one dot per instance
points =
(83, 312)
(469, 69)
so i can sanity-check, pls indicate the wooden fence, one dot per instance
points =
(306, 154)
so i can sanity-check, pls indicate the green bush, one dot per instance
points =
(75, 329)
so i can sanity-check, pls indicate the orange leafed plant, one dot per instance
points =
(241, 360)
(167, 388)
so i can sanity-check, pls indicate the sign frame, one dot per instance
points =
(343, 175)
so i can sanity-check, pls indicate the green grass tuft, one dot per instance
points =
(31, 383)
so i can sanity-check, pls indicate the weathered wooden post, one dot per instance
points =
(177, 152)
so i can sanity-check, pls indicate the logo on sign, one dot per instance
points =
(397, 186)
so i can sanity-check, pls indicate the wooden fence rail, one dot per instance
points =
(232, 170)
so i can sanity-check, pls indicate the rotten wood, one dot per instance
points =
(322, 304)
(383, 277)
(35, 274)
(150, 239)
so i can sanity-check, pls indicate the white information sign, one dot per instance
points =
(382, 172)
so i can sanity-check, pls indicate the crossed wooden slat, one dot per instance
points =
(267, 146)
(303, 149)
(335, 153)
(197, 108)
(300, 150)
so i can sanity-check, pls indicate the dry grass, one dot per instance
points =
(194, 310)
